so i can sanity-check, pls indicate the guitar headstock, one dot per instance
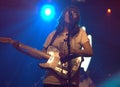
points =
(6, 40)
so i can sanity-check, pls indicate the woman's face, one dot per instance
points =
(69, 17)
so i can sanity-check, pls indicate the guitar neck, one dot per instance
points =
(25, 49)
(34, 52)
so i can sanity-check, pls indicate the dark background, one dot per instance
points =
(20, 20)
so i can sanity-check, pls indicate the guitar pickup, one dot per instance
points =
(61, 70)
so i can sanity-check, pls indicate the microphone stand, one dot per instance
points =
(68, 44)
(69, 62)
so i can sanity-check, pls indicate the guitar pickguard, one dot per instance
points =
(61, 68)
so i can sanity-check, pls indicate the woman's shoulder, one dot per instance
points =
(53, 32)
(82, 29)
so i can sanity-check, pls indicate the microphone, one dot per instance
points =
(70, 16)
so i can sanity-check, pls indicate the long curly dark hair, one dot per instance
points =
(61, 21)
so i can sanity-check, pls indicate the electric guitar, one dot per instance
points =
(53, 59)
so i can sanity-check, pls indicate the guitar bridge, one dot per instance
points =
(59, 70)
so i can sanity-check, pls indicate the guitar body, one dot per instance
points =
(52, 56)
(61, 68)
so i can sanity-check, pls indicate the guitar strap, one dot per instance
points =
(53, 38)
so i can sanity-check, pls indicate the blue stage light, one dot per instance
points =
(47, 12)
